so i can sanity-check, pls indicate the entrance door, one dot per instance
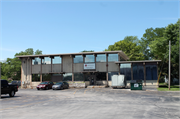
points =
(92, 79)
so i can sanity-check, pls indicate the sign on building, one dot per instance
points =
(89, 66)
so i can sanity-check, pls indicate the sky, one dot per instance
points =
(57, 26)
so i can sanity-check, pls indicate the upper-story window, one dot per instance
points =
(46, 60)
(56, 60)
(112, 57)
(78, 59)
(101, 58)
(89, 58)
(36, 61)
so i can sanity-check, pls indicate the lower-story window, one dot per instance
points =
(67, 77)
(46, 77)
(78, 77)
(101, 76)
(35, 77)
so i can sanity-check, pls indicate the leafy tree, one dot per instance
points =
(129, 47)
(38, 52)
(159, 47)
(133, 39)
(87, 51)
(11, 68)
(149, 36)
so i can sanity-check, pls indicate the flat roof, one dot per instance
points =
(121, 53)
(140, 61)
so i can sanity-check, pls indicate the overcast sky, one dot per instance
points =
(57, 26)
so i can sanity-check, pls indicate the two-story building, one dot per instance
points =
(93, 68)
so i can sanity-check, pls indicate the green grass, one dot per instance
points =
(173, 88)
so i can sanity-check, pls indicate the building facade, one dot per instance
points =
(92, 68)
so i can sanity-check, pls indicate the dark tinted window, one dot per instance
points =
(3, 82)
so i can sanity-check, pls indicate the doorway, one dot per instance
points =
(92, 79)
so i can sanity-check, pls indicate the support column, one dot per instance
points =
(21, 74)
(61, 63)
(107, 69)
(84, 58)
(41, 71)
(95, 55)
(157, 74)
(51, 64)
(72, 68)
(119, 59)
(31, 74)
(144, 73)
(131, 71)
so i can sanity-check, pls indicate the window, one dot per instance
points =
(67, 77)
(46, 60)
(151, 72)
(125, 69)
(101, 76)
(78, 59)
(56, 60)
(138, 72)
(78, 77)
(46, 77)
(35, 77)
(101, 58)
(112, 57)
(36, 61)
(89, 58)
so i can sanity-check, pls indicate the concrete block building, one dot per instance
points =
(92, 68)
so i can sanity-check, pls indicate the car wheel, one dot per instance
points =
(37, 88)
(12, 93)
(47, 88)
(61, 88)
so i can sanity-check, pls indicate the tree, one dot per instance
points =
(129, 47)
(159, 47)
(11, 68)
(149, 36)
(87, 51)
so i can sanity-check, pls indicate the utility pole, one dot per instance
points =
(169, 64)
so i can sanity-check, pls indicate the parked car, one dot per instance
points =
(18, 83)
(45, 85)
(60, 85)
(8, 89)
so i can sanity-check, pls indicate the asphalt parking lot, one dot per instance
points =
(90, 103)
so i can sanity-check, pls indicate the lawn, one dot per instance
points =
(165, 88)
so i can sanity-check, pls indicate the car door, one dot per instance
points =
(4, 87)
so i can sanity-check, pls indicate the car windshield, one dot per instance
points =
(59, 83)
(44, 83)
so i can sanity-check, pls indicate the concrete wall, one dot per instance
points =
(67, 64)
(34, 84)
(26, 76)
(113, 67)
(151, 82)
(46, 68)
(36, 69)
(56, 67)
(101, 67)
(78, 67)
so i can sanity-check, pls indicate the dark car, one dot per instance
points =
(18, 83)
(45, 85)
(6, 88)
(60, 85)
